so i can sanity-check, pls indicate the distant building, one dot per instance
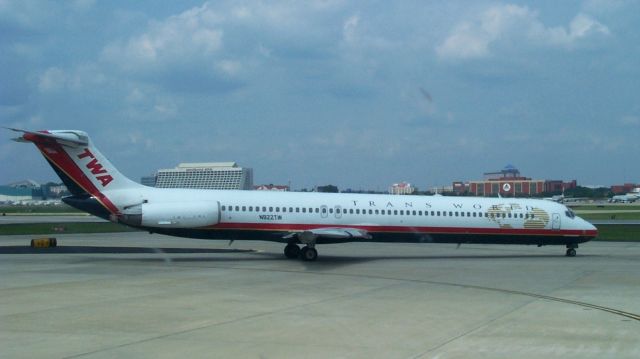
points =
(509, 182)
(271, 187)
(460, 187)
(14, 194)
(213, 175)
(401, 188)
(24, 184)
(51, 190)
(559, 186)
(624, 188)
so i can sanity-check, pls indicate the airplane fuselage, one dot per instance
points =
(269, 215)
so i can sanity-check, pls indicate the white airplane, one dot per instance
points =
(626, 198)
(300, 218)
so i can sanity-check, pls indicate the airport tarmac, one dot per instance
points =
(150, 296)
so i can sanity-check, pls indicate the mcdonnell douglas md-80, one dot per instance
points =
(296, 219)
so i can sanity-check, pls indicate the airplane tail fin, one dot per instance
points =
(82, 168)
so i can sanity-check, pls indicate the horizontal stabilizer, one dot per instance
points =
(65, 138)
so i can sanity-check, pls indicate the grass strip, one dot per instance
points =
(38, 209)
(618, 232)
(614, 215)
(62, 228)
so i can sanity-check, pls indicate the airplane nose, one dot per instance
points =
(589, 229)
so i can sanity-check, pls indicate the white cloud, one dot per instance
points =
(349, 28)
(81, 77)
(52, 79)
(500, 23)
(630, 120)
(581, 26)
(229, 67)
(190, 37)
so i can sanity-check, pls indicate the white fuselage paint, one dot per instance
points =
(358, 210)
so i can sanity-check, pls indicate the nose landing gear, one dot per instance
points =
(571, 250)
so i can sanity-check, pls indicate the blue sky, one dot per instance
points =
(357, 94)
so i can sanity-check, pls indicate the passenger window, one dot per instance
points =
(370, 211)
(351, 211)
(357, 211)
(244, 208)
(456, 214)
(222, 208)
(324, 210)
(297, 209)
(382, 211)
(420, 213)
(270, 209)
(413, 213)
(395, 212)
(290, 209)
(337, 210)
(304, 210)
(237, 208)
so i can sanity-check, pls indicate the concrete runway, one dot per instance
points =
(150, 296)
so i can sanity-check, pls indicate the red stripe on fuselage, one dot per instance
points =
(59, 157)
(295, 227)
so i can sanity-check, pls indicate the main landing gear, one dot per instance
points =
(307, 253)
(571, 249)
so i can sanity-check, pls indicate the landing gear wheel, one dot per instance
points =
(571, 252)
(308, 254)
(291, 251)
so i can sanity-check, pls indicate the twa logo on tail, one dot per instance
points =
(96, 168)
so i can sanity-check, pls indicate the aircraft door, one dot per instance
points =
(324, 212)
(555, 221)
(338, 211)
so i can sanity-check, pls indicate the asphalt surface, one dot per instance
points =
(149, 296)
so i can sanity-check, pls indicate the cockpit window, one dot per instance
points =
(570, 213)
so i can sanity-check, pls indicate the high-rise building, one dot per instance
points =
(401, 188)
(213, 175)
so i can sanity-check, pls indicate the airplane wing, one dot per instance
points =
(310, 236)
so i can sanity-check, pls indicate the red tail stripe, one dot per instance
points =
(58, 156)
